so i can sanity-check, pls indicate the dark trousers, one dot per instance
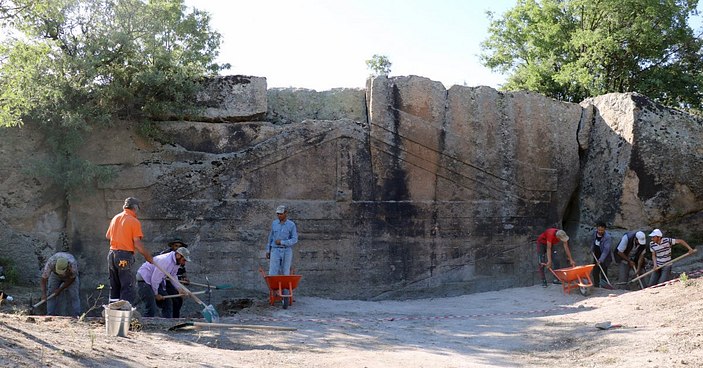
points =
(542, 258)
(146, 295)
(119, 263)
(170, 308)
(596, 274)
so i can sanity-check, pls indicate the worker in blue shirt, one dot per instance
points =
(282, 238)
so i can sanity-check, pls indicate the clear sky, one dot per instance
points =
(323, 44)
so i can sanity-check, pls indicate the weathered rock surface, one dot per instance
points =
(233, 98)
(411, 190)
(642, 168)
(287, 105)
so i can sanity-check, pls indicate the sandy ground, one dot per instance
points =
(521, 327)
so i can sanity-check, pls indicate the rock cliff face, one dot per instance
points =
(403, 189)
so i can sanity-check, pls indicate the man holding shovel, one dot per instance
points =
(629, 254)
(61, 274)
(601, 243)
(661, 255)
(171, 307)
(151, 275)
(125, 235)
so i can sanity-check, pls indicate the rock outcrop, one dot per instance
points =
(404, 189)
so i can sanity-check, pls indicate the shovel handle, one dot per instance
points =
(175, 282)
(664, 265)
(44, 300)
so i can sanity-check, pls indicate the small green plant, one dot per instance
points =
(96, 300)
(683, 278)
(9, 271)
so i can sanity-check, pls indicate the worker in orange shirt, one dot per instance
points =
(125, 235)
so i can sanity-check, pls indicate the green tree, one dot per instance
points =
(574, 49)
(379, 65)
(69, 65)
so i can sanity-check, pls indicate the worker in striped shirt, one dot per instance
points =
(661, 254)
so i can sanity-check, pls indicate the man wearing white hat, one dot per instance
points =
(60, 274)
(629, 254)
(279, 248)
(661, 254)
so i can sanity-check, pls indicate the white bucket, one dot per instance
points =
(117, 321)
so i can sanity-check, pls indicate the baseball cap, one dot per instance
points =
(281, 209)
(641, 238)
(184, 252)
(656, 232)
(61, 265)
(561, 234)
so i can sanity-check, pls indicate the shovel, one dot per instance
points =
(227, 325)
(217, 287)
(42, 301)
(664, 265)
(209, 312)
(602, 272)
(180, 295)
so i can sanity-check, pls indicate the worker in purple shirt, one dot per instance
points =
(150, 277)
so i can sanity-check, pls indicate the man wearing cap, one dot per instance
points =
(282, 237)
(150, 277)
(125, 235)
(61, 274)
(546, 253)
(629, 254)
(171, 307)
(661, 254)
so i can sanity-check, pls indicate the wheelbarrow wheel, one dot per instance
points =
(286, 302)
(585, 290)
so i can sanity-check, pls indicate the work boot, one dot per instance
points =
(556, 282)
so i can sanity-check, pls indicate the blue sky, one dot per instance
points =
(323, 44)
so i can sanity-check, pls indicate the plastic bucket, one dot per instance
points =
(117, 321)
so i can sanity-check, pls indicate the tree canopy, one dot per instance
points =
(574, 49)
(69, 65)
(73, 63)
(379, 65)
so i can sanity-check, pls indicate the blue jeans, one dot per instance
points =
(69, 297)
(281, 259)
(661, 275)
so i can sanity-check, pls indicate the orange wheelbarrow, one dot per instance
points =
(277, 284)
(575, 277)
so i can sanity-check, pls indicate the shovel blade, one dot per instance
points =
(210, 314)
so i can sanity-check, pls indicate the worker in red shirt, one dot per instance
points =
(125, 235)
(546, 253)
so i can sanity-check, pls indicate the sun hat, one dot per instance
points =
(177, 241)
(561, 234)
(281, 209)
(656, 232)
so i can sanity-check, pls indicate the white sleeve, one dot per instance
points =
(623, 244)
